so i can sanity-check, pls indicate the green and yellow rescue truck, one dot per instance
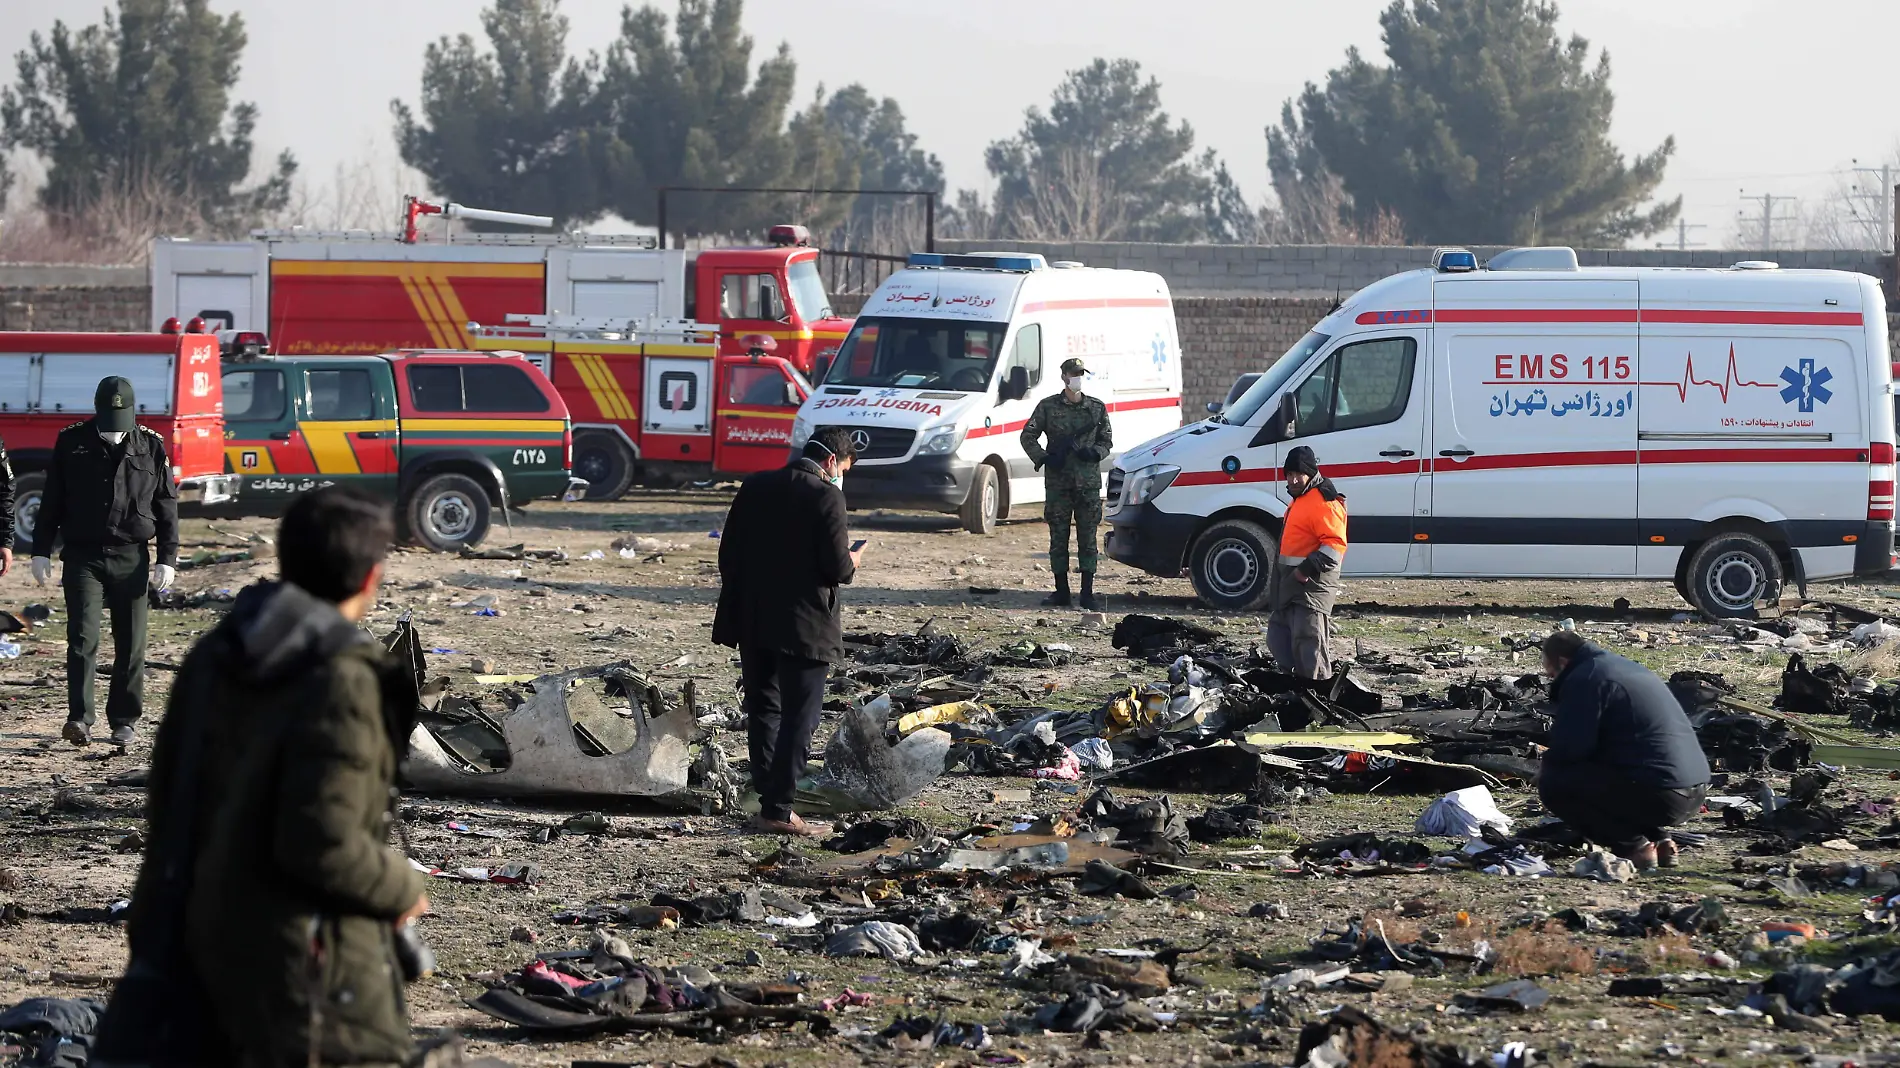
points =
(449, 437)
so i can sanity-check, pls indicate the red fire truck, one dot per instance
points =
(47, 381)
(665, 388)
(333, 293)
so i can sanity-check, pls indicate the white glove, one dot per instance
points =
(42, 568)
(162, 576)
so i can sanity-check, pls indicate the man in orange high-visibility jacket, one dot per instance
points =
(1305, 580)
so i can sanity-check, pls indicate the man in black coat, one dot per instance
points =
(1623, 763)
(782, 556)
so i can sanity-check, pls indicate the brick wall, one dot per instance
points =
(75, 307)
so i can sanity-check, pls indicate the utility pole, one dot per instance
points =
(1879, 200)
(1768, 201)
(1683, 244)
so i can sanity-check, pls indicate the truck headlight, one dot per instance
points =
(940, 441)
(1145, 485)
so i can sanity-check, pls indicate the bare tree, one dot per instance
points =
(1857, 213)
(1318, 211)
(1070, 198)
(363, 192)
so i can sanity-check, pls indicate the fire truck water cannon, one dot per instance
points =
(413, 208)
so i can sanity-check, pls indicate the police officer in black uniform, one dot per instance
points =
(109, 491)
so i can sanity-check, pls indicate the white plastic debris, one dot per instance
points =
(1879, 632)
(1461, 813)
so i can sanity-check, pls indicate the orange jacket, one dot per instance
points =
(1313, 544)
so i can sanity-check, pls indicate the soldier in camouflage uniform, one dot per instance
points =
(1071, 465)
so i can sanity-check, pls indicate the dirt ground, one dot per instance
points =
(68, 858)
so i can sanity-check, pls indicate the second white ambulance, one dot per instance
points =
(1730, 430)
(950, 356)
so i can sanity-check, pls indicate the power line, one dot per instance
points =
(1683, 244)
(1879, 202)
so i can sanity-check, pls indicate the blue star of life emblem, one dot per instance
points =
(1806, 385)
(1160, 349)
(887, 393)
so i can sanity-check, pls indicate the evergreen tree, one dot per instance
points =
(1485, 128)
(519, 127)
(136, 111)
(1105, 163)
(688, 109)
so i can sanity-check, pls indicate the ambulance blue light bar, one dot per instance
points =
(1454, 261)
(982, 261)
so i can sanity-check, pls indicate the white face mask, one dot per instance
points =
(1072, 383)
(113, 436)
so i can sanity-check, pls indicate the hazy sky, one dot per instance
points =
(1763, 96)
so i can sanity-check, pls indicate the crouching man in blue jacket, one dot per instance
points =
(1623, 764)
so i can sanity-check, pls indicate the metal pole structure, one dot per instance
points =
(930, 223)
(662, 216)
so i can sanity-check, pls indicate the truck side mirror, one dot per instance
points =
(1015, 385)
(1213, 407)
(1288, 422)
(792, 399)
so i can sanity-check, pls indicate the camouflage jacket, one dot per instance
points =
(1080, 438)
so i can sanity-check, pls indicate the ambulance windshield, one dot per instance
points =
(918, 354)
(1268, 385)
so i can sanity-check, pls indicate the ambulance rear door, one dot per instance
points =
(1533, 443)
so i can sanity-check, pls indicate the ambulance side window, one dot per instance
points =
(1375, 382)
(1026, 354)
(1367, 383)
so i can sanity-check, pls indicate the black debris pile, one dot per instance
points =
(872, 833)
(1801, 816)
(1732, 739)
(1160, 640)
(1150, 827)
(1365, 848)
(1826, 690)
(1233, 821)
(1705, 916)
(915, 1034)
(1498, 694)
(604, 990)
(929, 647)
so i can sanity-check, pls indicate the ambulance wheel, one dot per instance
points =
(448, 512)
(1231, 563)
(1730, 572)
(984, 506)
(28, 489)
(605, 462)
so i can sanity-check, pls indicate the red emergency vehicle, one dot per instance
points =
(357, 292)
(47, 382)
(666, 389)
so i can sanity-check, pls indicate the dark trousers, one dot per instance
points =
(784, 696)
(112, 579)
(1610, 810)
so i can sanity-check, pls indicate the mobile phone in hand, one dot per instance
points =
(858, 545)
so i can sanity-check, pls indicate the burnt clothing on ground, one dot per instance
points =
(784, 698)
(783, 554)
(1613, 713)
(101, 495)
(1610, 808)
(283, 731)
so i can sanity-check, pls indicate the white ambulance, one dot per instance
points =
(949, 357)
(1729, 429)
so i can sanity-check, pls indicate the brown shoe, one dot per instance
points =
(794, 826)
(1667, 853)
(76, 732)
(1644, 857)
